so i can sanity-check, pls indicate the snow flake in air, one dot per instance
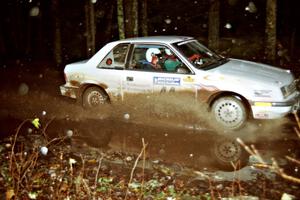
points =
(34, 11)
(44, 150)
(251, 8)
(168, 21)
(228, 26)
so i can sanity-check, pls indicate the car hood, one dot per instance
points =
(252, 71)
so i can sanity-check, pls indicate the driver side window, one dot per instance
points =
(157, 58)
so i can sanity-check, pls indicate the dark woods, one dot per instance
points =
(63, 31)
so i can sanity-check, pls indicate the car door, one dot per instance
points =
(155, 68)
(110, 71)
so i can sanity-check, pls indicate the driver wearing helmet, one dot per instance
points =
(152, 56)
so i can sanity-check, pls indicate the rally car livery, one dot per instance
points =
(235, 90)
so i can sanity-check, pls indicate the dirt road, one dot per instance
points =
(32, 91)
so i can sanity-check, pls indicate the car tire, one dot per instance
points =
(229, 112)
(93, 97)
(229, 154)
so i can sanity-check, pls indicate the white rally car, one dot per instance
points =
(235, 90)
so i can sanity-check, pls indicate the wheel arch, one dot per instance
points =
(218, 95)
(85, 86)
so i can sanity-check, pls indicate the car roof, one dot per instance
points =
(162, 39)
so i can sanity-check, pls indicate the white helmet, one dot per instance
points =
(151, 51)
(168, 52)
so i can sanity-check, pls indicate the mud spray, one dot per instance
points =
(168, 110)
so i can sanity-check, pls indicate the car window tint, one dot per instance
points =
(156, 58)
(116, 58)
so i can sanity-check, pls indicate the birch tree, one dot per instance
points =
(90, 27)
(144, 17)
(135, 18)
(270, 48)
(120, 12)
(57, 33)
(131, 18)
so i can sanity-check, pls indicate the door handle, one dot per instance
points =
(129, 78)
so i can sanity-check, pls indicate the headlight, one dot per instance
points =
(289, 89)
(263, 93)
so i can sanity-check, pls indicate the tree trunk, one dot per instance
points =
(109, 23)
(144, 18)
(128, 18)
(120, 13)
(57, 33)
(90, 28)
(270, 48)
(214, 24)
(131, 18)
(135, 18)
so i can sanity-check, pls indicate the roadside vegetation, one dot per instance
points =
(34, 166)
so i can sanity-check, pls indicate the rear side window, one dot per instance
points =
(116, 58)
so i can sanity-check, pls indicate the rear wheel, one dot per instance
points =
(230, 112)
(93, 97)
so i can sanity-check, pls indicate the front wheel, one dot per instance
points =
(229, 112)
(93, 97)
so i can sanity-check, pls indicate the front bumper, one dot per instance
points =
(69, 91)
(273, 110)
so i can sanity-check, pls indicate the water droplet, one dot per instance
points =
(168, 21)
(162, 151)
(34, 11)
(94, 1)
(44, 150)
(69, 133)
(228, 26)
(129, 158)
(29, 130)
(126, 116)
(23, 89)
(44, 113)
(251, 8)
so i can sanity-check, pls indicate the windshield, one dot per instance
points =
(200, 56)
